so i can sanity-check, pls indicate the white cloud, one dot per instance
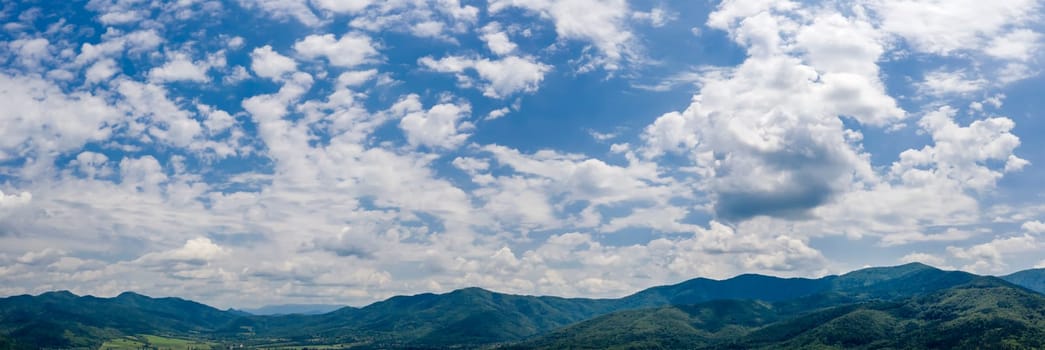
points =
(196, 251)
(39, 118)
(501, 78)
(166, 121)
(425, 19)
(949, 235)
(270, 64)
(356, 78)
(216, 120)
(342, 6)
(284, 9)
(428, 29)
(990, 257)
(115, 42)
(101, 71)
(92, 164)
(13, 200)
(603, 23)
(142, 174)
(1033, 226)
(497, 113)
(32, 53)
(945, 26)
(942, 83)
(497, 39)
(437, 127)
(180, 68)
(961, 154)
(769, 131)
(656, 17)
(351, 50)
(1020, 45)
(235, 43)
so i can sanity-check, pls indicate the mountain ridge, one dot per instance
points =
(464, 317)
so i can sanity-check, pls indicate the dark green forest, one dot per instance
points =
(912, 306)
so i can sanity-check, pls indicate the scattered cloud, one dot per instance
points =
(140, 155)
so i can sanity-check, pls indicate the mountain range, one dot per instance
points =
(907, 306)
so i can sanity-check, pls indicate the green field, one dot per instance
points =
(154, 342)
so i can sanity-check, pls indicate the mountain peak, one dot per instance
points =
(888, 272)
(65, 294)
(130, 295)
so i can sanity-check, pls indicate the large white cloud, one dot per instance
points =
(767, 136)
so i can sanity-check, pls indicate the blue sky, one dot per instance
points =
(328, 151)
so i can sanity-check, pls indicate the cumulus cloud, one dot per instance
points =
(497, 40)
(31, 53)
(426, 19)
(943, 27)
(285, 9)
(1033, 226)
(352, 49)
(101, 71)
(500, 78)
(180, 68)
(440, 126)
(39, 117)
(962, 154)
(990, 257)
(603, 23)
(767, 135)
(342, 6)
(270, 64)
(13, 200)
(196, 251)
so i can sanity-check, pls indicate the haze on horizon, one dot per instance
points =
(243, 153)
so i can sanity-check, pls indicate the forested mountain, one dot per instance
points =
(983, 313)
(1033, 279)
(910, 305)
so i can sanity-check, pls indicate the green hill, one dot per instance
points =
(983, 313)
(462, 317)
(747, 310)
(62, 319)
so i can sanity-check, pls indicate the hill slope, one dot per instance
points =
(694, 310)
(984, 313)
(63, 319)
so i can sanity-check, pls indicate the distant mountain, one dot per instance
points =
(876, 282)
(293, 309)
(983, 313)
(744, 310)
(1033, 279)
(465, 316)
